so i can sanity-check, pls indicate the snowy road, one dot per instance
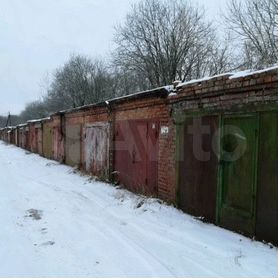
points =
(55, 222)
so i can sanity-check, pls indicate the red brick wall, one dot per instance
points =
(166, 163)
(222, 93)
(139, 109)
(96, 114)
(155, 108)
(217, 94)
(83, 117)
(74, 118)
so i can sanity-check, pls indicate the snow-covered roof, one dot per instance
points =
(167, 89)
(38, 120)
(155, 90)
(116, 99)
(22, 125)
(232, 75)
(245, 73)
(206, 78)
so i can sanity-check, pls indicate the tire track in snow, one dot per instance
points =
(147, 259)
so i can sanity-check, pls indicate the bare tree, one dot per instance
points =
(125, 81)
(34, 110)
(79, 82)
(166, 40)
(255, 22)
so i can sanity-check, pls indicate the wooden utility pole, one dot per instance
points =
(9, 122)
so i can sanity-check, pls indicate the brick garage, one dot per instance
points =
(11, 135)
(26, 137)
(21, 136)
(74, 121)
(144, 106)
(239, 194)
(35, 136)
(47, 137)
(156, 122)
(141, 109)
(58, 136)
(96, 141)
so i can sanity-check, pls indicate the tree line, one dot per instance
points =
(160, 42)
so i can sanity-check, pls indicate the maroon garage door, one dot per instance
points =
(198, 167)
(136, 155)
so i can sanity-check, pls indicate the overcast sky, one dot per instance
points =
(37, 36)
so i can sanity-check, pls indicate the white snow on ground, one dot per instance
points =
(55, 222)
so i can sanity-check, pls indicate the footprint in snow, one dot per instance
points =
(47, 243)
(51, 164)
(140, 204)
(239, 256)
(35, 214)
(44, 230)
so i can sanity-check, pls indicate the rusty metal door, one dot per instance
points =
(97, 149)
(32, 139)
(47, 142)
(12, 138)
(136, 155)
(40, 150)
(36, 145)
(73, 145)
(56, 139)
(122, 156)
(23, 138)
(27, 139)
(16, 137)
(267, 192)
(58, 144)
(198, 165)
(238, 172)
(129, 160)
(137, 144)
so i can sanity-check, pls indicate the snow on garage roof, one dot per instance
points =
(231, 75)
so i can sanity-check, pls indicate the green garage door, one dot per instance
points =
(267, 193)
(238, 173)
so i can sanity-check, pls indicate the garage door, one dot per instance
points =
(97, 149)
